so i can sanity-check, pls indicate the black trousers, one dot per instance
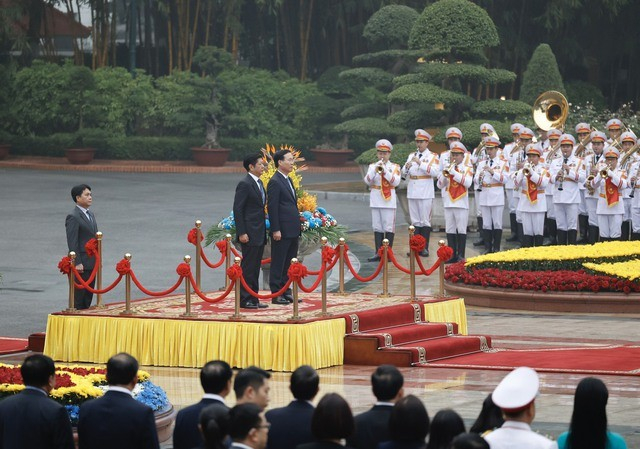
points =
(82, 297)
(282, 251)
(250, 264)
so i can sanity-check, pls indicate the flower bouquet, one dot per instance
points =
(76, 384)
(315, 222)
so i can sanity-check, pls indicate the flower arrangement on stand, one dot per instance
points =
(76, 384)
(603, 267)
(315, 222)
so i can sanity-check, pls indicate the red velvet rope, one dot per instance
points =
(191, 237)
(269, 296)
(183, 270)
(77, 276)
(222, 246)
(81, 284)
(91, 247)
(357, 276)
(430, 270)
(316, 283)
(393, 260)
(297, 272)
(204, 297)
(152, 293)
(417, 243)
(445, 253)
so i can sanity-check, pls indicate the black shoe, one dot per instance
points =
(288, 297)
(252, 305)
(280, 300)
(375, 258)
(424, 253)
(513, 238)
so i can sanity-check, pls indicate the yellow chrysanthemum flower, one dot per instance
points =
(623, 270)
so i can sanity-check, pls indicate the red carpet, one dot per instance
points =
(610, 359)
(9, 345)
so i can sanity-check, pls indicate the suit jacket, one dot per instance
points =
(32, 420)
(186, 434)
(283, 207)
(372, 427)
(248, 212)
(290, 425)
(79, 231)
(116, 421)
(322, 445)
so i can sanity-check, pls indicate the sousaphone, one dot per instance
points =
(550, 110)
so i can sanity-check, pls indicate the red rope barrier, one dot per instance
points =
(209, 264)
(270, 296)
(85, 285)
(433, 268)
(393, 260)
(204, 297)
(151, 293)
(315, 285)
(357, 276)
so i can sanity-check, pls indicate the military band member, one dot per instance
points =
(490, 175)
(453, 135)
(583, 133)
(532, 179)
(614, 128)
(592, 161)
(478, 154)
(627, 140)
(567, 174)
(609, 182)
(508, 185)
(517, 159)
(421, 169)
(383, 177)
(454, 182)
(634, 173)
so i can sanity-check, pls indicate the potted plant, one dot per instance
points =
(212, 61)
(332, 155)
(80, 84)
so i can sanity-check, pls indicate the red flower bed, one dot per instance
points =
(12, 376)
(560, 281)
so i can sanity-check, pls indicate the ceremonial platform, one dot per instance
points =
(158, 334)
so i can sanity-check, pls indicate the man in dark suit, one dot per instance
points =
(372, 426)
(31, 419)
(285, 224)
(248, 427)
(291, 425)
(81, 227)
(251, 385)
(251, 230)
(215, 378)
(117, 420)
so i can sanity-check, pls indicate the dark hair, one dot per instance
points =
(122, 368)
(252, 159)
(251, 376)
(409, 420)
(304, 383)
(278, 156)
(386, 382)
(77, 191)
(332, 419)
(469, 441)
(214, 425)
(446, 424)
(588, 426)
(490, 417)
(243, 418)
(36, 370)
(214, 376)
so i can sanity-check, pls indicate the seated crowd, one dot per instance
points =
(396, 421)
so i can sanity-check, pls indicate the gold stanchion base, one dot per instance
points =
(384, 295)
(70, 309)
(127, 312)
(294, 318)
(98, 306)
(342, 293)
(236, 316)
(411, 300)
(324, 314)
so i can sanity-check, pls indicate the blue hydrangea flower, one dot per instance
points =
(322, 210)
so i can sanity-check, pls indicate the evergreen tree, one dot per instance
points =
(542, 74)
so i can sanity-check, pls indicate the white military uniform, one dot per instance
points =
(456, 203)
(610, 207)
(383, 210)
(533, 204)
(634, 172)
(566, 193)
(517, 435)
(592, 160)
(420, 186)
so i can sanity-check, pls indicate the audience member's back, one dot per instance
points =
(372, 426)
(445, 426)
(408, 425)
(291, 425)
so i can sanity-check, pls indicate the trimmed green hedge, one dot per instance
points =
(399, 154)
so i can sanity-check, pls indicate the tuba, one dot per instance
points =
(550, 110)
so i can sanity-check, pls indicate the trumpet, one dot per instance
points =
(526, 170)
(380, 167)
(604, 172)
(449, 170)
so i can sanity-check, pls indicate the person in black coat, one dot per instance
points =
(31, 419)
(372, 426)
(215, 378)
(285, 224)
(81, 227)
(291, 425)
(116, 420)
(332, 422)
(248, 427)
(251, 231)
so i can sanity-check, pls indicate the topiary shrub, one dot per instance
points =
(399, 154)
(471, 132)
(542, 74)
(389, 27)
(581, 92)
(500, 109)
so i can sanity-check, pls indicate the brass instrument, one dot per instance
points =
(550, 110)
(624, 160)
(379, 168)
(553, 152)
(583, 143)
(449, 170)
(560, 178)
(604, 173)
(526, 170)
(588, 185)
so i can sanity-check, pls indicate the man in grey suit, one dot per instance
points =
(81, 227)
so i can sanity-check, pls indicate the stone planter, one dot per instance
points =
(210, 157)
(79, 156)
(329, 157)
(4, 151)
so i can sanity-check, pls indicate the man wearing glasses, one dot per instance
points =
(248, 427)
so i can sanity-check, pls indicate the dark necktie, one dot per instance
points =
(261, 187)
(491, 163)
(566, 159)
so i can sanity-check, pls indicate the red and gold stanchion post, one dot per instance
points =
(324, 282)
(385, 269)
(341, 254)
(198, 251)
(72, 290)
(441, 243)
(227, 262)
(187, 291)
(236, 308)
(295, 316)
(412, 267)
(99, 304)
(127, 290)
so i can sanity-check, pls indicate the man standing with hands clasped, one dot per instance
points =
(251, 231)
(285, 224)
(81, 227)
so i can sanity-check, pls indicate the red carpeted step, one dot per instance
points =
(408, 333)
(375, 319)
(445, 347)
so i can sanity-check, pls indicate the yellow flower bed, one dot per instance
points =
(624, 270)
